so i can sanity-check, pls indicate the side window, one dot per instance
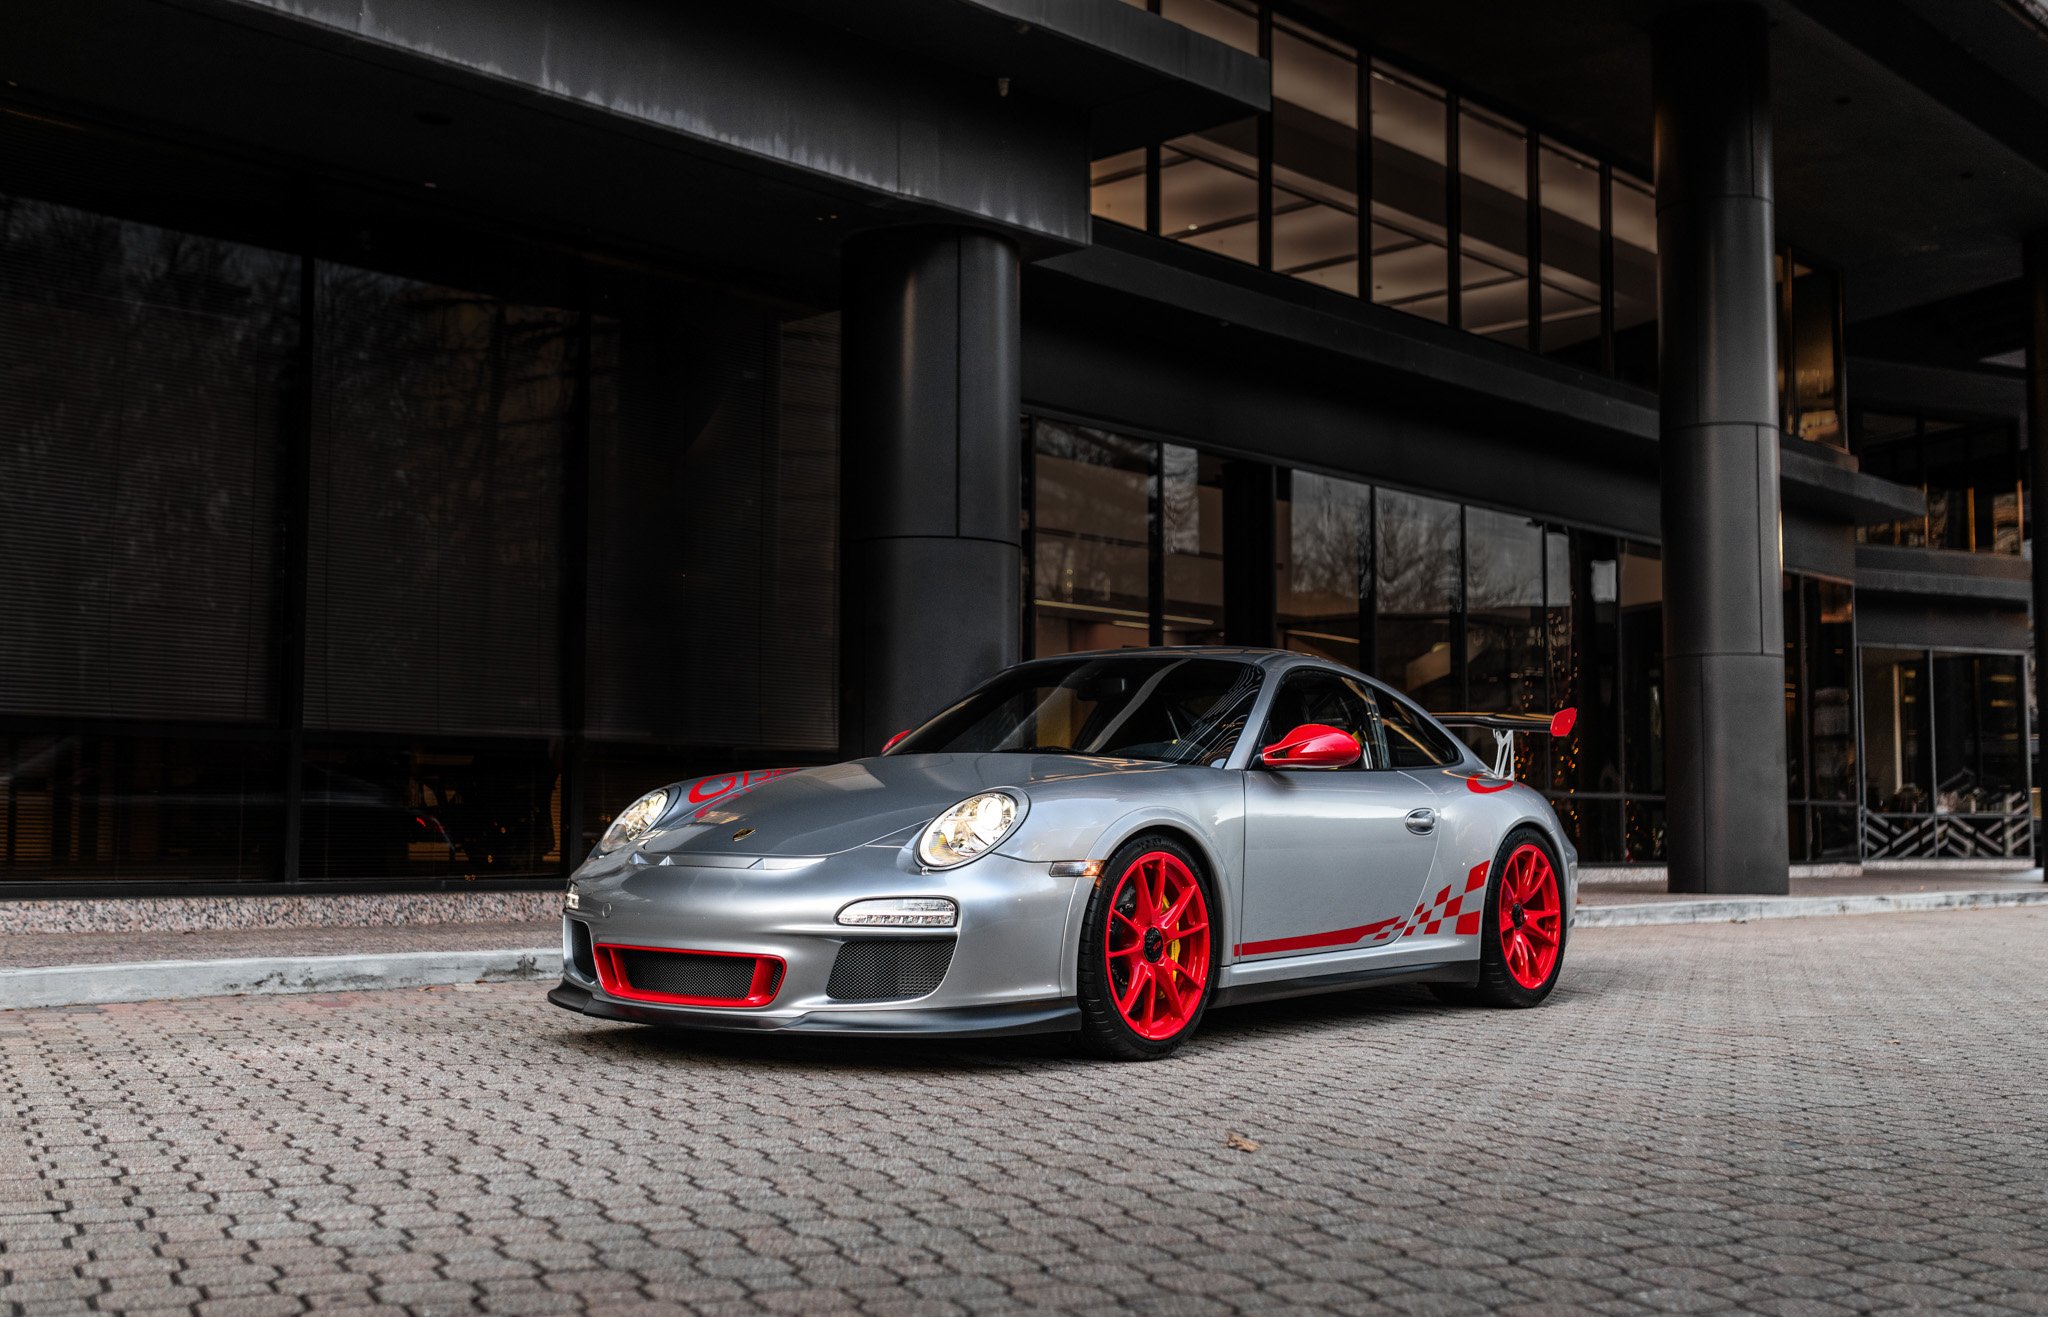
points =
(1412, 740)
(1316, 696)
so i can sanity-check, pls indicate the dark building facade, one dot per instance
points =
(425, 427)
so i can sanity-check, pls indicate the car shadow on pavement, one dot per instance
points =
(1220, 1029)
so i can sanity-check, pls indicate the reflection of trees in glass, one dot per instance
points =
(440, 417)
(142, 378)
(1329, 543)
(1418, 554)
(1092, 495)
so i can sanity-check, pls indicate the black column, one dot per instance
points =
(2037, 471)
(1724, 643)
(930, 474)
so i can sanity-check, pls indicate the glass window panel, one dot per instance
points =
(1795, 700)
(1209, 190)
(1410, 181)
(110, 808)
(1506, 660)
(1643, 830)
(1092, 495)
(1416, 568)
(1641, 606)
(1898, 772)
(1191, 525)
(1493, 234)
(1979, 734)
(440, 417)
(431, 810)
(1323, 552)
(1635, 280)
(1569, 187)
(1233, 22)
(1831, 682)
(1315, 158)
(737, 410)
(1117, 188)
(1814, 401)
(1594, 826)
(144, 381)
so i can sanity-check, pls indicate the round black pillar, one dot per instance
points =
(930, 476)
(2036, 266)
(1724, 643)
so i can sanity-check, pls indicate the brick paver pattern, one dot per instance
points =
(1797, 1116)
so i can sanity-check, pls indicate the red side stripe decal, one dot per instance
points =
(1444, 909)
(1336, 937)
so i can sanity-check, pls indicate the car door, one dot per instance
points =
(1334, 858)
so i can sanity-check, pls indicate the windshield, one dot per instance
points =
(1149, 706)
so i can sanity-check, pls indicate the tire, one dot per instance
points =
(1516, 970)
(1146, 974)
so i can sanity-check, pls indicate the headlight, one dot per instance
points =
(634, 821)
(973, 827)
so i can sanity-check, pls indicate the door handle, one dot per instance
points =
(1421, 821)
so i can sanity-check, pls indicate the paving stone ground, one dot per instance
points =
(1806, 1116)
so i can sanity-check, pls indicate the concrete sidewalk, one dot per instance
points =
(87, 969)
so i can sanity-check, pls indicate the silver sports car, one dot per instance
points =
(1106, 843)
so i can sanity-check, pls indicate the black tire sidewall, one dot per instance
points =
(1103, 1027)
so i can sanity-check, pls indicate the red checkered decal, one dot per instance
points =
(1462, 911)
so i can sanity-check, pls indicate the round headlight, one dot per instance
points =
(973, 827)
(634, 821)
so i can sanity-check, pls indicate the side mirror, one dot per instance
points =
(1313, 745)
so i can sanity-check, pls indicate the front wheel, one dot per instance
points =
(1521, 939)
(1148, 952)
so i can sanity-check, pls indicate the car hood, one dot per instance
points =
(823, 811)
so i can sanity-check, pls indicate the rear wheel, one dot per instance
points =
(1148, 952)
(1521, 939)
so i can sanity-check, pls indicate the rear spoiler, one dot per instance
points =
(1505, 725)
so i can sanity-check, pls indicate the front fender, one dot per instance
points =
(1218, 844)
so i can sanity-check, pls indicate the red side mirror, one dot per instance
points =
(894, 741)
(1312, 745)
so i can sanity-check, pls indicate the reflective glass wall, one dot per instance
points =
(1970, 469)
(1820, 717)
(1375, 181)
(1945, 770)
(326, 568)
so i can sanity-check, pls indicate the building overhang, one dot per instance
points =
(2001, 580)
(1137, 77)
(1457, 378)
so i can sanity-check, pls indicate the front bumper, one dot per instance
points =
(874, 1022)
(1010, 969)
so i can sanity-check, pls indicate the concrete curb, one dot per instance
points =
(172, 980)
(1731, 908)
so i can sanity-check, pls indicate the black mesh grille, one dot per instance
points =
(686, 974)
(579, 950)
(889, 969)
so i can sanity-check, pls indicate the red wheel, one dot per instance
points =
(1148, 952)
(1531, 917)
(1521, 937)
(1157, 953)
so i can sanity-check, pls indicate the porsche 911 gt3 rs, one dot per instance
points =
(1109, 844)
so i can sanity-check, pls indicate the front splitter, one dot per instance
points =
(949, 1022)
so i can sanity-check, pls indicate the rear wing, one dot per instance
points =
(1505, 725)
